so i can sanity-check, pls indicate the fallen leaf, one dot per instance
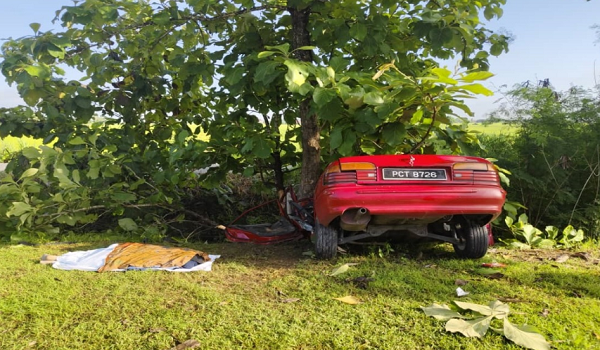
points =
(525, 336)
(349, 300)
(429, 266)
(308, 253)
(597, 335)
(545, 313)
(495, 308)
(341, 269)
(290, 300)
(223, 303)
(469, 328)
(188, 344)
(460, 282)
(562, 258)
(440, 312)
(539, 279)
(156, 330)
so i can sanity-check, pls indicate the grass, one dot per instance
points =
(493, 128)
(11, 145)
(246, 302)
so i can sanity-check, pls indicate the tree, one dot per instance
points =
(258, 77)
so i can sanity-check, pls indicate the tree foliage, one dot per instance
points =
(554, 157)
(274, 84)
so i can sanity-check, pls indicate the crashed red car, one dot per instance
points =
(442, 197)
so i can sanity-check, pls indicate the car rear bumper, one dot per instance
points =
(419, 201)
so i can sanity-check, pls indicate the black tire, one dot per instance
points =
(326, 238)
(474, 240)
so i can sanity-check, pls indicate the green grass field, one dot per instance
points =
(493, 128)
(276, 297)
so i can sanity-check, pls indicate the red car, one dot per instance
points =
(447, 198)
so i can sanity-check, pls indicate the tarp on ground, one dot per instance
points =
(136, 256)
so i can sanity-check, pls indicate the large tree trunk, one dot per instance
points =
(311, 137)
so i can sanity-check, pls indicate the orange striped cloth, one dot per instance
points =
(149, 255)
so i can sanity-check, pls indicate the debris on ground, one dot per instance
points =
(461, 293)
(133, 256)
(493, 264)
(460, 282)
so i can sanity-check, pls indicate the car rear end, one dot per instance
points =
(396, 189)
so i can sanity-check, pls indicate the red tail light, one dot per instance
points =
(475, 173)
(351, 172)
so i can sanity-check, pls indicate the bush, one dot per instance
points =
(554, 156)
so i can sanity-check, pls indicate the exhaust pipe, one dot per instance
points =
(355, 219)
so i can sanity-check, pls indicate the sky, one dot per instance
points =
(553, 40)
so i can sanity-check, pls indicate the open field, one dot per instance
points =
(493, 128)
(276, 297)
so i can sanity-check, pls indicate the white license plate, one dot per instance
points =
(414, 174)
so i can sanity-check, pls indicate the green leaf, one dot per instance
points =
(335, 138)
(121, 196)
(358, 31)
(471, 77)
(77, 141)
(525, 336)
(496, 49)
(470, 328)
(373, 98)
(261, 148)
(393, 134)
(128, 224)
(283, 48)
(18, 208)
(266, 72)
(477, 89)
(306, 48)
(297, 72)
(482, 309)
(322, 96)
(440, 312)
(342, 269)
(35, 26)
(264, 54)
(552, 232)
(235, 75)
(36, 71)
(28, 173)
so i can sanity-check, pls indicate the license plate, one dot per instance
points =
(414, 174)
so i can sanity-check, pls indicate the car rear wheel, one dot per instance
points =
(473, 238)
(326, 238)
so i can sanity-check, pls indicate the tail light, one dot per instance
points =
(350, 172)
(475, 173)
